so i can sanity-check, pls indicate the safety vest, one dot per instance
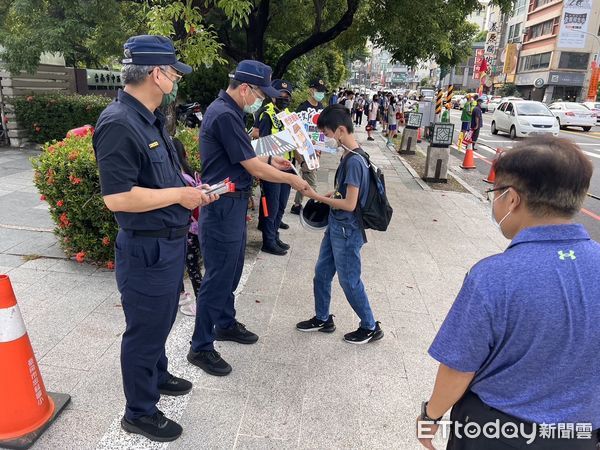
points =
(276, 125)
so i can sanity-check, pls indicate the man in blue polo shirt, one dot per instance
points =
(141, 182)
(520, 344)
(226, 151)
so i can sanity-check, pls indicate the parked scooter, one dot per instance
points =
(189, 114)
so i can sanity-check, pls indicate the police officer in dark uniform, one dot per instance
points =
(276, 194)
(141, 182)
(226, 152)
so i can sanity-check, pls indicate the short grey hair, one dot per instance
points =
(135, 74)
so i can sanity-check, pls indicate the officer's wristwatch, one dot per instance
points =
(424, 415)
(269, 160)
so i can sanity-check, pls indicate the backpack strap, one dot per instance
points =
(357, 209)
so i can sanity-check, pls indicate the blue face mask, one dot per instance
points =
(251, 109)
(318, 96)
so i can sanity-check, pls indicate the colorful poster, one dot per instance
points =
(295, 126)
(574, 23)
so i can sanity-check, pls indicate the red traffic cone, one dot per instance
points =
(468, 161)
(491, 178)
(27, 409)
(419, 135)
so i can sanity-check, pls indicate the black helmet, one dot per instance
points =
(315, 215)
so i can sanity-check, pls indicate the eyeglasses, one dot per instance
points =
(253, 89)
(176, 75)
(490, 197)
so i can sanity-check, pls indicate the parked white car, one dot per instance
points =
(594, 107)
(522, 118)
(573, 114)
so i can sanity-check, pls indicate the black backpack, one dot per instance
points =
(377, 212)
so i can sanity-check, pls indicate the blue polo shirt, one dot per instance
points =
(133, 148)
(527, 321)
(224, 143)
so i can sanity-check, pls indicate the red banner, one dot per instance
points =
(594, 79)
(479, 58)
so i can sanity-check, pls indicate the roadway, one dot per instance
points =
(589, 142)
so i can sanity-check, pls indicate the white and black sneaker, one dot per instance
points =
(364, 336)
(314, 324)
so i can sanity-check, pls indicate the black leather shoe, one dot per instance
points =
(237, 333)
(296, 209)
(283, 226)
(210, 361)
(273, 250)
(259, 226)
(282, 245)
(175, 386)
(156, 427)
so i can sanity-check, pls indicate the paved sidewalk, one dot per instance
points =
(291, 389)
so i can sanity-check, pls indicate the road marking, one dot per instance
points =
(475, 154)
(587, 212)
(582, 134)
(593, 155)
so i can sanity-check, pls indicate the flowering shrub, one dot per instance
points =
(66, 176)
(47, 117)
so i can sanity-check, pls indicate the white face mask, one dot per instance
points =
(492, 217)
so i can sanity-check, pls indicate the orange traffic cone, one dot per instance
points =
(468, 161)
(491, 178)
(27, 409)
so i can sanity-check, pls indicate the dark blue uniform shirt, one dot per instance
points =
(133, 148)
(224, 143)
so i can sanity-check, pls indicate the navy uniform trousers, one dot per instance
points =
(149, 272)
(277, 195)
(223, 241)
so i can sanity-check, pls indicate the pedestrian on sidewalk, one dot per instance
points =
(359, 109)
(276, 194)
(142, 184)
(392, 121)
(317, 91)
(340, 248)
(226, 152)
(476, 122)
(373, 109)
(520, 343)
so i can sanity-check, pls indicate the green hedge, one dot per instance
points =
(49, 117)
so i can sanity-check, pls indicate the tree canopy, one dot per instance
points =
(300, 39)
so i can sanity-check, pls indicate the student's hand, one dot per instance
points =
(299, 184)
(311, 193)
(281, 163)
(425, 432)
(330, 194)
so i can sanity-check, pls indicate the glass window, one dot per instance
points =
(519, 7)
(540, 3)
(541, 29)
(532, 109)
(573, 60)
(509, 108)
(502, 107)
(535, 62)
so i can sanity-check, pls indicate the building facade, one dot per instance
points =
(559, 43)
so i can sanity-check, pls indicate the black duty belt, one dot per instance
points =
(238, 194)
(169, 233)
